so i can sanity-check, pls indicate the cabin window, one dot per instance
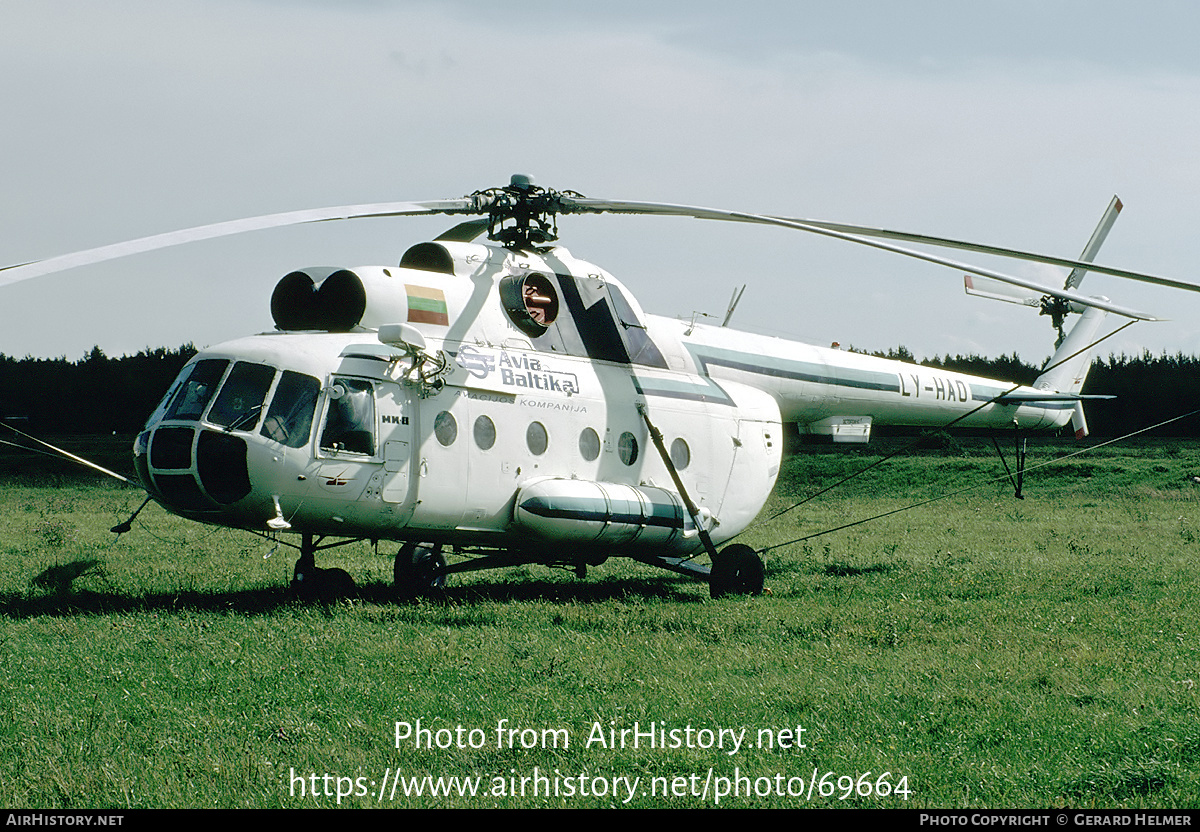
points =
(537, 439)
(485, 433)
(589, 444)
(194, 391)
(627, 448)
(289, 420)
(445, 428)
(240, 402)
(681, 454)
(350, 423)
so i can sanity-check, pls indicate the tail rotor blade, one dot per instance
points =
(983, 287)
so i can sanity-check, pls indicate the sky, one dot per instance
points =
(1009, 123)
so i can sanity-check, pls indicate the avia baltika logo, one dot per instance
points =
(474, 362)
(517, 370)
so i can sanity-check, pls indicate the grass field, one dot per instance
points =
(977, 651)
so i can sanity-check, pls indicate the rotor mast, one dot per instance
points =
(522, 215)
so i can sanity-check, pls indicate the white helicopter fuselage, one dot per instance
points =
(503, 399)
(448, 466)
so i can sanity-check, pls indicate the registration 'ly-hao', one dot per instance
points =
(502, 403)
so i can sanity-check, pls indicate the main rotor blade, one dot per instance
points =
(464, 232)
(37, 268)
(856, 233)
(1099, 303)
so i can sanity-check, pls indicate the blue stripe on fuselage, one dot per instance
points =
(707, 391)
(706, 356)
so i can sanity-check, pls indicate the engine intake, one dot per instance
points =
(333, 302)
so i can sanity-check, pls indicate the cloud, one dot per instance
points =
(141, 117)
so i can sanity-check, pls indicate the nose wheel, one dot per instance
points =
(311, 583)
(737, 570)
(418, 570)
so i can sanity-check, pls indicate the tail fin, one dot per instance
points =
(1068, 367)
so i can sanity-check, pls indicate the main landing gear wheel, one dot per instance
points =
(417, 570)
(737, 570)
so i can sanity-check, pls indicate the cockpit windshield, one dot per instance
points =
(193, 391)
(238, 403)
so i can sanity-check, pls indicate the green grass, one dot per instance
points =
(995, 652)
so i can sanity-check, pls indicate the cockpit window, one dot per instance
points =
(289, 420)
(192, 393)
(350, 424)
(240, 402)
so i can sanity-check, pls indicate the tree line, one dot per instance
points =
(94, 395)
(101, 395)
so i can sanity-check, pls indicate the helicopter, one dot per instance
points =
(503, 403)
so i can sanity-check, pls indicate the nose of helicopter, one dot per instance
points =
(196, 471)
(230, 437)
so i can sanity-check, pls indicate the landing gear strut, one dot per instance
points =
(311, 583)
(737, 570)
(418, 570)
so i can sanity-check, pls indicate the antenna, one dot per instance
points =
(733, 302)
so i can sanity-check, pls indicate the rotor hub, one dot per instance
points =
(522, 215)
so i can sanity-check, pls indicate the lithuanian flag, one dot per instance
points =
(426, 305)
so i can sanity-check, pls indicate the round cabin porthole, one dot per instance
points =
(530, 301)
(536, 438)
(589, 444)
(627, 448)
(485, 433)
(681, 454)
(445, 428)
